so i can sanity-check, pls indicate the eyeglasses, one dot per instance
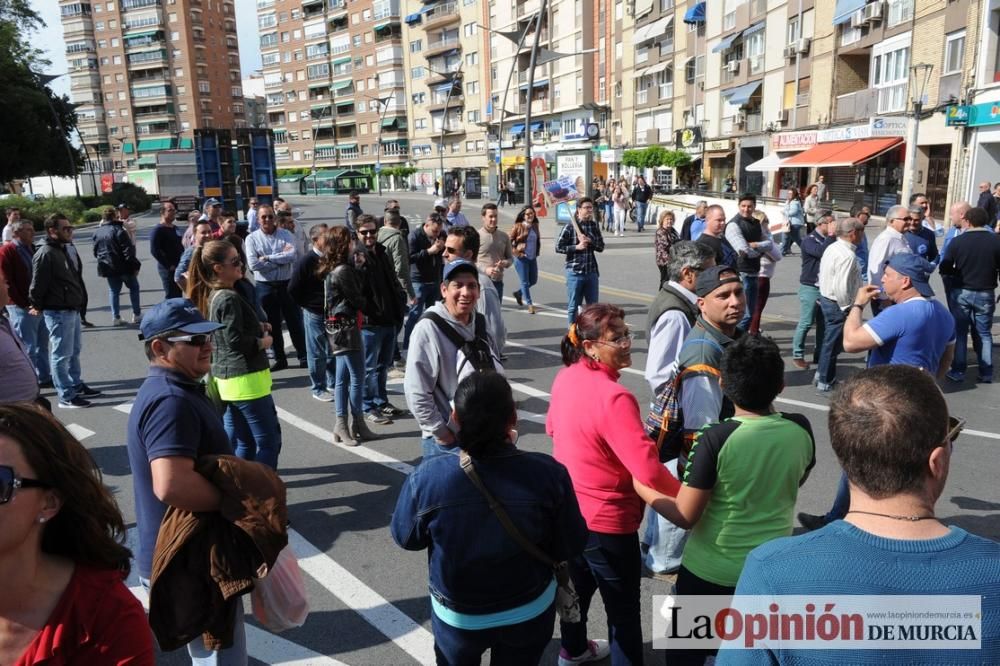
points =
(235, 261)
(267, 217)
(367, 232)
(904, 219)
(9, 482)
(199, 340)
(623, 342)
(955, 427)
(450, 250)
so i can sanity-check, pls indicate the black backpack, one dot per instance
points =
(477, 352)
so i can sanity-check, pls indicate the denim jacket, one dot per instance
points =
(475, 566)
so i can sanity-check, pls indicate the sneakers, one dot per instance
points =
(135, 318)
(596, 650)
(279, 365)
(396, 373)
(323, 396)
(117, 321)
(531, 309)
(75, 403)
(984, 380)
(373, 416)
(800, 363)
(812, 522)
(86, 324)
(518, 298)
(957, 377)
(86, 391)
(390, 411)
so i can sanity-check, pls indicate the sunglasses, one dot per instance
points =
(449, 250)
(367, 232)
(235, 261)
(955, 427)
(905, 219)
(9, 482)
(267, 217)
(198, 340)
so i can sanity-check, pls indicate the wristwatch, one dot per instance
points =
(860, 306)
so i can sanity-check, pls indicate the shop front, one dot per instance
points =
(783, 146)
(984, 146)
(694, 174)
(721, 160)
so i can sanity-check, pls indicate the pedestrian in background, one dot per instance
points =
(580, 242)
(620, 199)
(811, 207)
(768, 264)
(665, 238)
(495, 252)
(166, 248)
(15, 262)
(307, 291)
(526, 240)
(608, 202)
(796, 217)
(118, 264)
(642, 194)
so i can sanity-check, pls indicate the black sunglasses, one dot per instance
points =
(367, 232)
(198, 340)
(9, 482)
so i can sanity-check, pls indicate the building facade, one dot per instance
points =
(145, 73)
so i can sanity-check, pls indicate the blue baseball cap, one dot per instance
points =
(916, 268)
(174, 314)
(211, 202)
(459, 265)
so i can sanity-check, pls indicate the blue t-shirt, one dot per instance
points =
(915, 332)
(171, 416)
(842, 559)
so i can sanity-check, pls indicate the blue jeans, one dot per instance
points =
(842, 502)
(379, 343)
(976, 308)
(750, 292)
(429, 448)
(794, 235)
(514, 645)
(170, 288)
(322, 367)
(833, 342)
(499, 287)
(640, 214)
(809, 314)
(580, 287)
(609, 216)
(350, 373)
(277, 305)
(115, 283)
(662, 542)
(253, 429)
(31, 329)
(235, 655)
(609, 563)
(527, 270)
(65, 335)
(427, 293)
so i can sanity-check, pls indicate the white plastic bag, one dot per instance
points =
(279, 600)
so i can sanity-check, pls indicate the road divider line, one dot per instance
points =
(79, 432)
(398, 627)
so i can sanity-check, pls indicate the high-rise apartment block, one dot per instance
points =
(145, 73)
(333, 81)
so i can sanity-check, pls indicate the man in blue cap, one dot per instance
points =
(172, 423)
(916, 330)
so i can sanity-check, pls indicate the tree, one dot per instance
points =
(652, 157)
(36, 127)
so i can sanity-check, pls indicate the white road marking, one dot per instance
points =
(79, 432)
(124, 408)
(409, 636)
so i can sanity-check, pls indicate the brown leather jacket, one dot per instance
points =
(519, 239)
(204, 562)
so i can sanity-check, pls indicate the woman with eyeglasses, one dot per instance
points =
(239, 360)
(62, 558)
(597, 433)
(526, 239)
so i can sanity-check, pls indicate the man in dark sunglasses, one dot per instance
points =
(888, 243)
(172, 423)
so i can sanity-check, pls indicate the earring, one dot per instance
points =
(41, 519)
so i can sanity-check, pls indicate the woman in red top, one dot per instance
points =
(62, 561)
(597, 434)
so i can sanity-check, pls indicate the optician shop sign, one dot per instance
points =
(875, 127)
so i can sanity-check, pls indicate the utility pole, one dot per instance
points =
(527, 110)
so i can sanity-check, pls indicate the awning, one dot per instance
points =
(843, 153)
(756, 27)
(537, 84)
(398, 142)
(517, 128)
(389, 122)
(651, 30)
(656, 69)
(326, 174)
(726, 42)
(412, 18)
(155, 144)
(383, 24)
(187, 144)
(347, 146)
(128, 148)
(340, 85)
(147, 33)
(294, 178)
(318, 84)
(740, 95)
(537, 126)
(844, 9)
(639, 73)
(513, 160)
(340, 61)
(444, 87)
(696, 14)
(771, 162)
(146, 160)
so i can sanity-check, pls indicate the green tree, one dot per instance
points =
(36, 124)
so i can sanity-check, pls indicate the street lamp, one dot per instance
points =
(43, 80)
(457, 74)
(920, 74)
(384, 104)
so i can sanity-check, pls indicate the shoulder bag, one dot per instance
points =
(343, 325)
(567, 600)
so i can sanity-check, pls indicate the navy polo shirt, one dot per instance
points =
(171, 416)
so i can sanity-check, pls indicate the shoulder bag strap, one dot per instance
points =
(446, 329)
(501, 514)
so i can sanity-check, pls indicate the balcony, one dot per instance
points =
(81, 47)
(753, 122)
(857, 105)
(538, 106)
(457, 101)
(85, 82)
(441, 45)
(143, 41)
(138, 4)
(385, 9)
(154, 20)
(441, 15)
(892, 99)
(146, 59)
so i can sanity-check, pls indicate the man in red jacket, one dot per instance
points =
(15, 262)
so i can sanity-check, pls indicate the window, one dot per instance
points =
(420, 123)
(472, 88)
(755, 52)
(204, 87)
(417, 73)
(641, 54)
(179, 72)
(236, 91)
(174, 36)
(954, 49)
(472, 59)
(472, 116)
(116, 60)
(416, 46)
(469, 29)
(890, 71)
(900, 11)
(419, 98)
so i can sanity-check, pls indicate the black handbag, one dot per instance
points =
(343, 324)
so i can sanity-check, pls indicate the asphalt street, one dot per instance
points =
(369, 598)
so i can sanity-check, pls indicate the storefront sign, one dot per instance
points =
(957, 115)
(718, 146)
(688, 140)
(876, 127)
(793, 140)
(611, 156)
(975, 115)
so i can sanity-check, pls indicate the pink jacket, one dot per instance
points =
(597, 434)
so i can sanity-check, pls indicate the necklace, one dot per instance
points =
(911, 519)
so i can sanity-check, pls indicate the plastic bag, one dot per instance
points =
(279, 600)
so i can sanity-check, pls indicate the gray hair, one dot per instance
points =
(713, 207)
(897, 212)
(687, 254)
(845, 226)
(21, 224)
(701, 203)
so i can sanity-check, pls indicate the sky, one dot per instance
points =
(50, 39)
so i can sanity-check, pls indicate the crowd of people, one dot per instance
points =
(371, 298)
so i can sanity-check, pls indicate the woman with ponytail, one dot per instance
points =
(239, 362)
(597, 433)
(510, 609)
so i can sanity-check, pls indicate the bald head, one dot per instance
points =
(846, 226)
(956, 213)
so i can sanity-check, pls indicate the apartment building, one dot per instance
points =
(333, 84)
(145, 73)
(447, 60)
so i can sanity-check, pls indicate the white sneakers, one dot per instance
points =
(596, 650)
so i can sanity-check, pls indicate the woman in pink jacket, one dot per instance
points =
(597, 434)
